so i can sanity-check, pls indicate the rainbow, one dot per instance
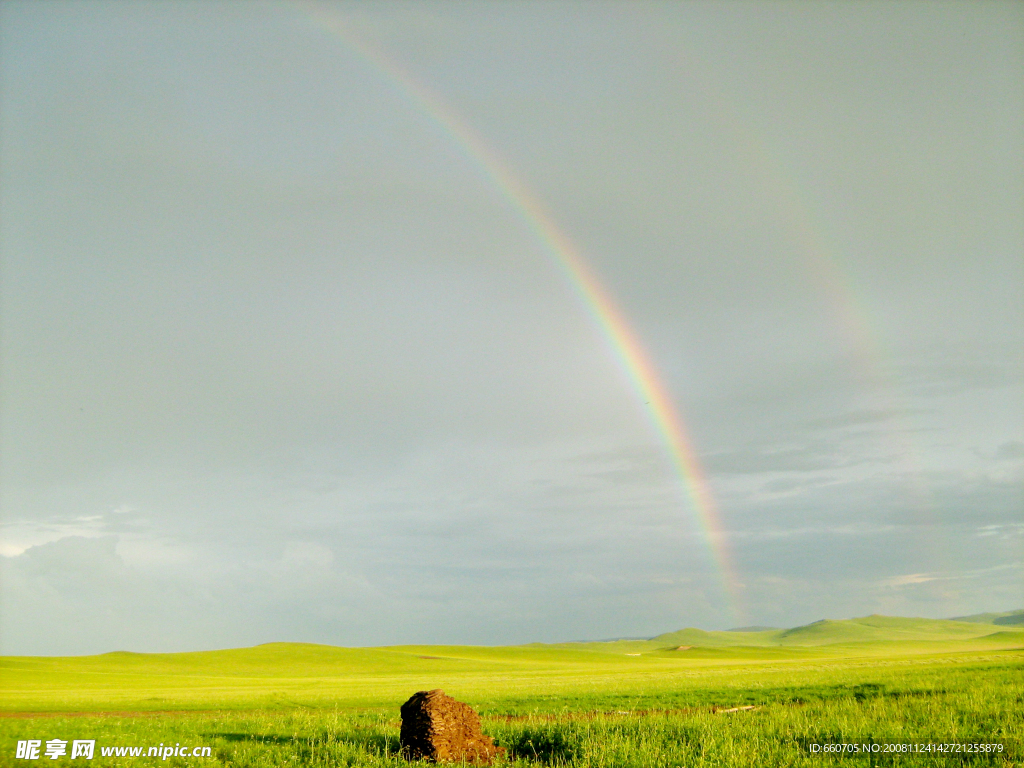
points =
(600, 304)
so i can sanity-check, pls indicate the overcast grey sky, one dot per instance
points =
(280, 361)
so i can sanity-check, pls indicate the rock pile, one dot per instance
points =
(439, 728)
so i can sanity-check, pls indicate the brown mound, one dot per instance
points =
(439, 728)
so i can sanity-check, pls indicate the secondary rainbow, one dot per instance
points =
(634, 360)
(836, 286)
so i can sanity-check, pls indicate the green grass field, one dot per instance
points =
(659, 702)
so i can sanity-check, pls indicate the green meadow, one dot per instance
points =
(688, 698)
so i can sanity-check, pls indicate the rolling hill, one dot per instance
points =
(868, 629)
(283, 675)
(1007, 618)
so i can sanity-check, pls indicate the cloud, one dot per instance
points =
(116, 602)
(806, 458)
(18, 536)
(863, 417)
(1003, 531)
(1014, 449)
(953, 377)
(910, 578)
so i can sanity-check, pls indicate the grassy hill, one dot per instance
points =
(876, 629)
(868, 629)
(285, 675)
(1007, 618)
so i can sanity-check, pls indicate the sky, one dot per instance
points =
(500, 322)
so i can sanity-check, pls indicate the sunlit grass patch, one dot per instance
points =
(304, 705)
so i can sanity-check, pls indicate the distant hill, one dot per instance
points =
(868, 629)
(752, 629)
(1007, 618)
(723, 639)
(878, 629)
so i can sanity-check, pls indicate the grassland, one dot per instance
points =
(660, 702)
